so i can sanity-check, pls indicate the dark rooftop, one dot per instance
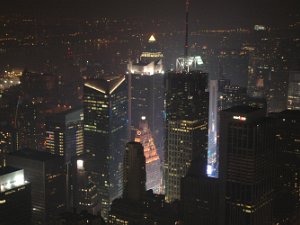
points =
(242, 109)
(295, 113)
(35, 155)
(7, 170)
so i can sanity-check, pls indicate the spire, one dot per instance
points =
(186, 45)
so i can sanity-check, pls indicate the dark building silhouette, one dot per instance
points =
(85, 192)
(15, 197)
(153, 162)
(82, 218)
(138, 206)
(105, 134)
(186, 126)
(287, 167)
(134, 174)
(46, 173)
(200, 196)
(245, 167)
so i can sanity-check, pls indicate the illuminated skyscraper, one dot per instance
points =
(186, 126)
(245, 167)
(64, 133)
(153, 164)
(146, 92)
(105, 135)
(64, 137)
(150, 61)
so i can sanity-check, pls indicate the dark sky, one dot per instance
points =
(218, 12)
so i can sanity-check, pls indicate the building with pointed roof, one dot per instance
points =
(105, 135)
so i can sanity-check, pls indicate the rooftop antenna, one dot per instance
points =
(186, 45)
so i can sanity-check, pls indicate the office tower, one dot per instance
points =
(64, 133)
(134, 174)
(199, 196)
(245, 166)
(85, 193)
(146, 91)
(64, 137)
(153, 162)
(287, 166)
(105, 135)
(222, 95)
(294, 91)
(186, 126)
(15, 197)
(46, 174)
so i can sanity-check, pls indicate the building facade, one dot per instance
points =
(105, 135)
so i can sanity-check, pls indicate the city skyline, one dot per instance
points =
(150, 112)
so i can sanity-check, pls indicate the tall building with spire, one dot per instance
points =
(105, 135)
(153, 163)
(186, 119)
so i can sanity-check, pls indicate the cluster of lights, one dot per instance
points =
(241, 118)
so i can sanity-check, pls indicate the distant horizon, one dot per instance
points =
(211, 13)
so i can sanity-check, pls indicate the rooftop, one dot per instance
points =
(7, 170)
(242, 109)
(35, 155)
(106, 85)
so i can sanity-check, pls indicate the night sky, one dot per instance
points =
(209, 12)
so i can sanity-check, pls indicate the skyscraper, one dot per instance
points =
(186, 126)
(153, 162)
(200, 196)
(46, 173)
(138, 206)
(146, 91)
(85, 192)
(222, 96)
(245, 166)
(287, 166)
(105, 134)
(134, 176)
(64, 133)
